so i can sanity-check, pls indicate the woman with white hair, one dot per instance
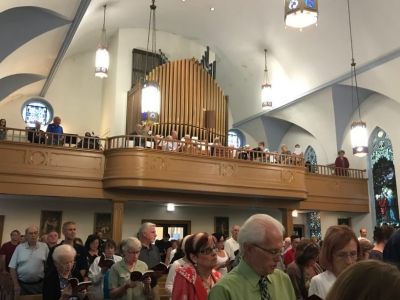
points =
(56, 284)
(121, 286)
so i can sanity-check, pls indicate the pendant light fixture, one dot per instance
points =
(358, 131)
(102, 57)
(266, 87)
(301, 13)
(151, 97)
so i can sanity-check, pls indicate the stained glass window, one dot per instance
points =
(36, 110)
(384, 179)
(314, 224)
(235, 138)
(310, 155)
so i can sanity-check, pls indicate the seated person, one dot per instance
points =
(217, 148)
(89, 142)
(56, 132)
(3, 130)
(258, 152)
(187, 146)
(36, 135)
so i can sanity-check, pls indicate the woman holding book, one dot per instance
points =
(121, 285)
(92, 247)
(57, 282)
(222, 257)
(195, 280)
(99, 271)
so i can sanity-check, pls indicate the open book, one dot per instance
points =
(105, 262)
(79, 286)
(156, 271)
(139, 276)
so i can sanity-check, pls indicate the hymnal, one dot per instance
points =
(105, 262)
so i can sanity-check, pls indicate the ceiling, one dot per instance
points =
(35, 35)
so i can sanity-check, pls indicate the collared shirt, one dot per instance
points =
(151, 255)
(7, 250)
(29, 261)
(230, 247)
(243, 283)
(97, 277)
(119, 275)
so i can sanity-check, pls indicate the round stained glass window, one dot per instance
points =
(36, 109)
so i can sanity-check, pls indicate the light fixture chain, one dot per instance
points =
(353, 63)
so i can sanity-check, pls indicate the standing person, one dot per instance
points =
(56, 132)
(290, 253)
(256, 276)
(163, 246)
(27, 264)
(194, 281)
(3, 130)
(381, 235)
(339, 250)
(52, 239)
(7, 249)
(341, 164)
(100, 275)
(36, 135)
(56, 285)
(383, 282)
(121, 286)
(149, 253)
(363, 234)
(222, 256)
(92, 247)
(231, 245)
(69, 232)
(304, 267)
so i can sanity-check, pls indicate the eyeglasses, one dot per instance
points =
(345, 255)
(274, 252)
(209, 250)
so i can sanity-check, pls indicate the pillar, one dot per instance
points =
(287, 221)
(117, 219)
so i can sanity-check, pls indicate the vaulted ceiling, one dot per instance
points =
(36, 34)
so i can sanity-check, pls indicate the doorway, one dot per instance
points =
(177, 229)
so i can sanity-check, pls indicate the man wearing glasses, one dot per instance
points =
(256, 277)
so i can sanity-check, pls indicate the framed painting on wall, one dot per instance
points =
(103, 224)
(344, 221)
(221, 224)
(50, 220)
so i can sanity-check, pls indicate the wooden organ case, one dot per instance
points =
(191, 102)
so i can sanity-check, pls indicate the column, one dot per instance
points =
(117, 219)
(287, 221)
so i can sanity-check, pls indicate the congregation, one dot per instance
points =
(256, 262)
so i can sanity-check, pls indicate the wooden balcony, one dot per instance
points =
(141, 168)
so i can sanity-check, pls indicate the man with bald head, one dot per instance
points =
(27, 264)
(56, 132)
(256, 277)
(231, 245)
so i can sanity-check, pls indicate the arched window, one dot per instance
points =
(384, 178)
(236, 138)
(36, 109)
(310, 155)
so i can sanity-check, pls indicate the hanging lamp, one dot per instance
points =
(151, 97)
(358, 129)
(301, 13)
(102, 56)
(266, 87)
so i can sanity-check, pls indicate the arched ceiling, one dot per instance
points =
(237, 31)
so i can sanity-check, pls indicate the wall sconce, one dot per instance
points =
(170, 207)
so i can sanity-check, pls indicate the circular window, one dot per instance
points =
(236, 138)
(37, 109)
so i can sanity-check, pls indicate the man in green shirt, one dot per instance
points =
(260, 240)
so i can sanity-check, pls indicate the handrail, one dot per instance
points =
(190, 147)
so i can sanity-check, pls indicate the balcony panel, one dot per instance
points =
(151, 169)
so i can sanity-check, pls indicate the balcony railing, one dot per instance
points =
(187, 147)
(66, 140)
